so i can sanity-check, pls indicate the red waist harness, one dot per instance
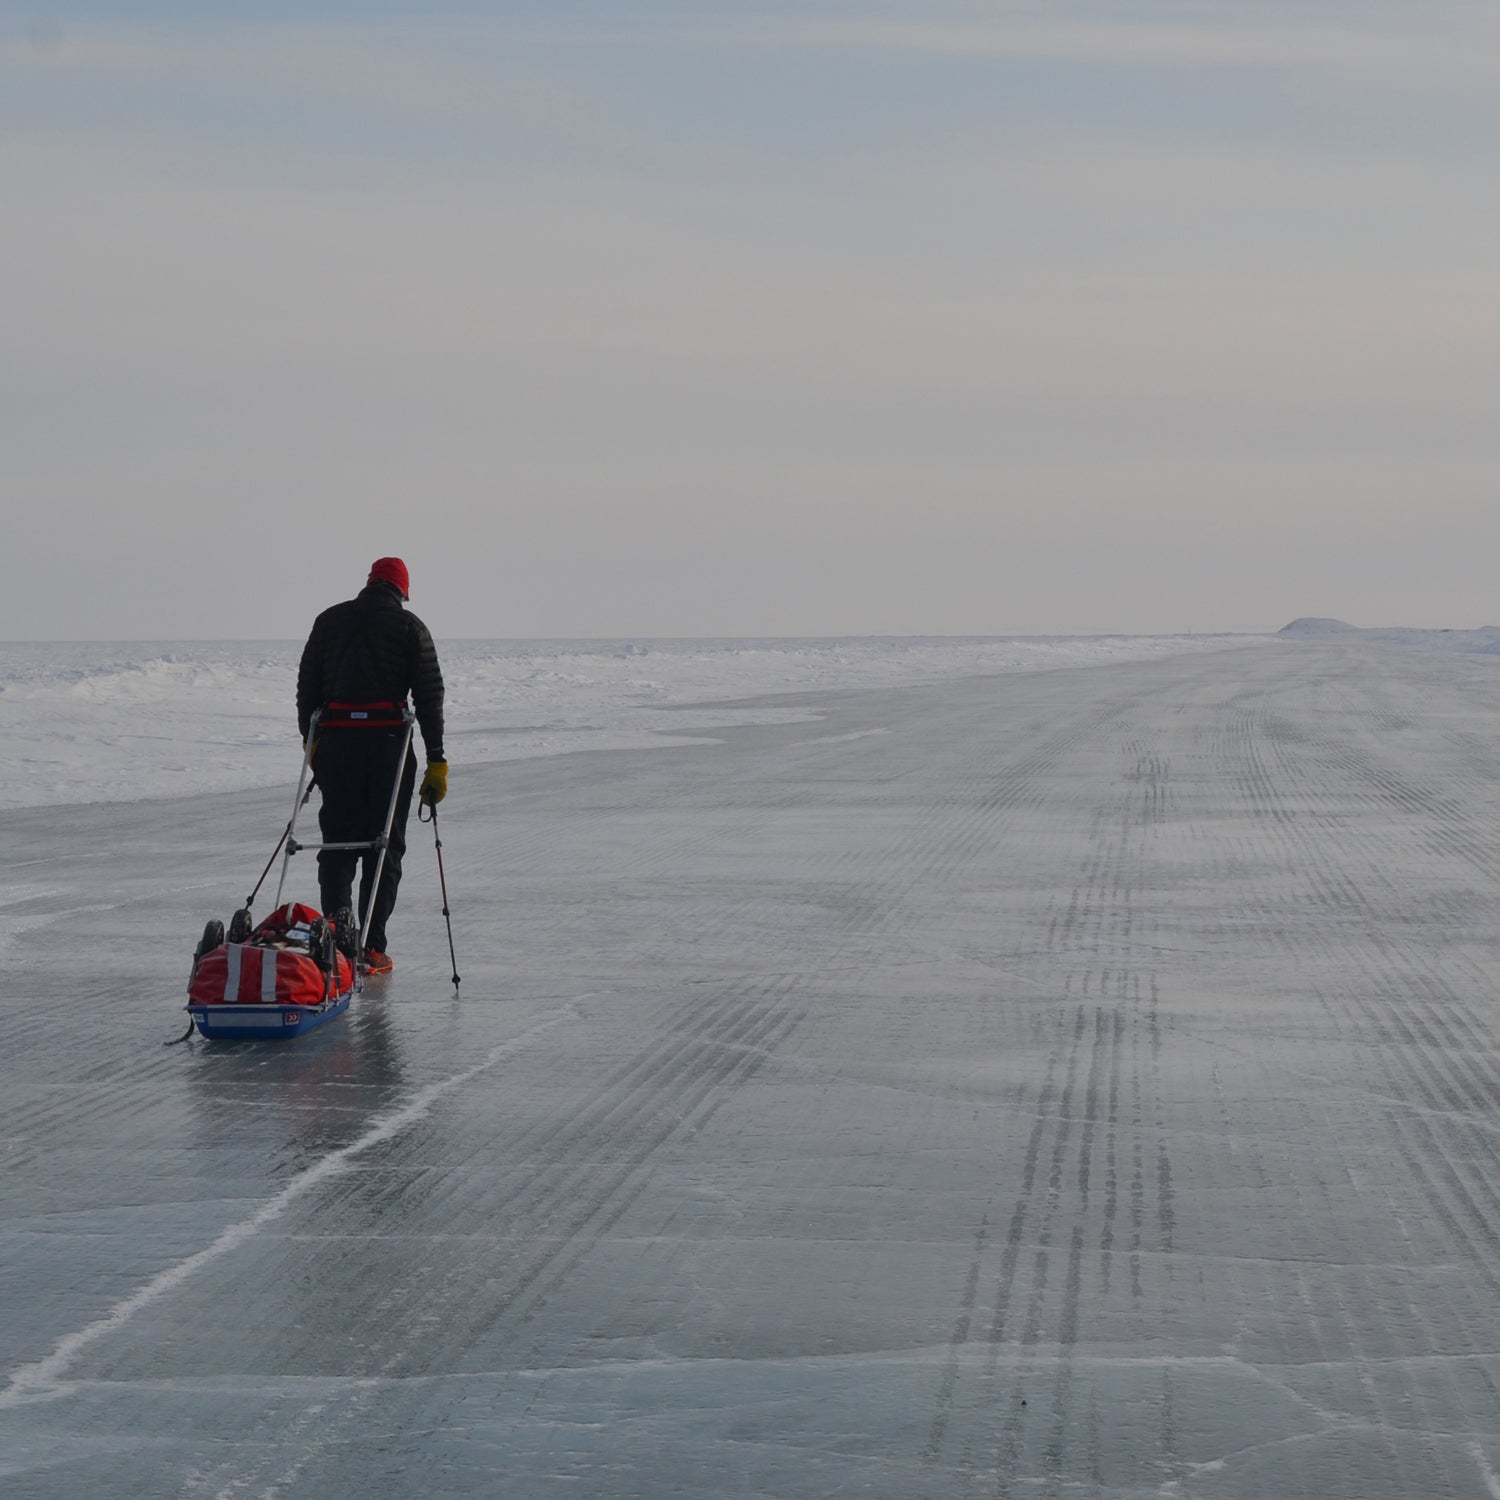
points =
(361, 716)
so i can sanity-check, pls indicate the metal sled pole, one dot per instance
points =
(297, 803)
(385, 836)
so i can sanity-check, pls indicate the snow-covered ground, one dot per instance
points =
(85, 721)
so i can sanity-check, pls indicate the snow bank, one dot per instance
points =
(1317, 626)
(89, 722)
(1482, 642)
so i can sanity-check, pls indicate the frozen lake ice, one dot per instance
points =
(1069, 1083)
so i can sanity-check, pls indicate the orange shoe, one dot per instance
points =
(376, 962)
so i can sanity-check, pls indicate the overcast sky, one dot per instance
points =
(750, 318)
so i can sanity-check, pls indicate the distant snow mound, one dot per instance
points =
(1315, 625)
(1482, 642)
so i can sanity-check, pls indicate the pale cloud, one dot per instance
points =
(426, 61)
(992, 266)
(448, 67)
(1426, 46)
(465, 76)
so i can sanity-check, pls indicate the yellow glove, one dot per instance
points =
(434, 783)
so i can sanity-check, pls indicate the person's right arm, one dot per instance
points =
(309, 682)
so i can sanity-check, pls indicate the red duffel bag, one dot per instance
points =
(273, 967)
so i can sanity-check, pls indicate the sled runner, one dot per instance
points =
(295, 970)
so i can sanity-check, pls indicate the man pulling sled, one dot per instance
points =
(362, 660)
(296, 969)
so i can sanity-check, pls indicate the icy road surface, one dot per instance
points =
(1084, 1083)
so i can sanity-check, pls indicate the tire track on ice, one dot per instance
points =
(1422, 1067)
(1099, 922)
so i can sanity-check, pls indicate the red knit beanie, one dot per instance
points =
(391, 570)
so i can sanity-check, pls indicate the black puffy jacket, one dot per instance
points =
(370, 650)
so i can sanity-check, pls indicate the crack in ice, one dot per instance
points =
(43, 1379)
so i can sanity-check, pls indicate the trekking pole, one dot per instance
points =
(442, 880)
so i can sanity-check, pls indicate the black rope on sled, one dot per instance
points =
(250, 901)
(306, 796)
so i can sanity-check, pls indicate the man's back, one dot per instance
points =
(370, 650)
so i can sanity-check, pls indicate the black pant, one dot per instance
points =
(356, 770)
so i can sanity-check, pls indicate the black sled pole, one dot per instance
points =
(249, 900)
(285, 834)
(437, 843)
